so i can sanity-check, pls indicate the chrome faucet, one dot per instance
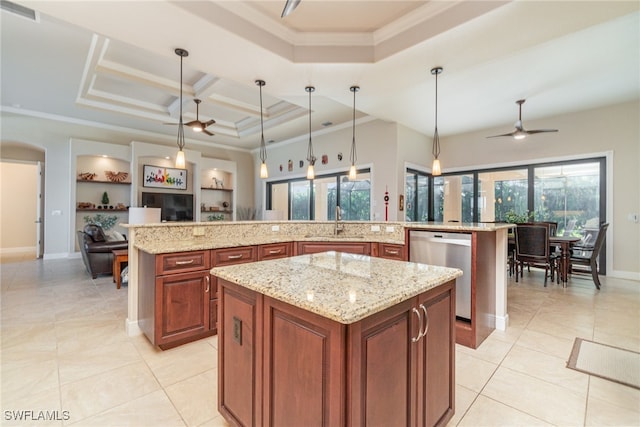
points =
(339, 227)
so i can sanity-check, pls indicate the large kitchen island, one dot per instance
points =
(336, 339)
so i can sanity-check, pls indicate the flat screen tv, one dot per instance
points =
(174, 206)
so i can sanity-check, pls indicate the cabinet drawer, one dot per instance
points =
(221, 257)
(391, 251)
(360, 248)
(182, 262)
(273, 251)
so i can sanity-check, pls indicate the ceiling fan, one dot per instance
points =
(196, 124)
(521, 132)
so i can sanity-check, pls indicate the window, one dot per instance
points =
(502, 192)
(453, 198)
(417, 196)
(317, 199)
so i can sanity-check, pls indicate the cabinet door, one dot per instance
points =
(240, 355)
(304, 367)
(182, 306)
(360, 248)
(383, 376)
(436, 362)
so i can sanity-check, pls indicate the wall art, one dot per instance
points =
(162, 177)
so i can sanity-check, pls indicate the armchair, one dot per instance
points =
(96, 250)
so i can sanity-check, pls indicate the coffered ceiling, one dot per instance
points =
(110, 65)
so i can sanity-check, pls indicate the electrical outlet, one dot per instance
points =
(390, 229)
(633, 217)
(375, 228)
(198, 231)
(275, 228)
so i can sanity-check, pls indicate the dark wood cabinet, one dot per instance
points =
(360, 248)
(275, 250)
(391, 251)
(395, 367)
(173, 305)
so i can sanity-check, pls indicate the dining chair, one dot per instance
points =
(588, 255)
(532, 249)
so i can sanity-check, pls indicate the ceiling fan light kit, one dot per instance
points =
(521, 132)
(180, 160)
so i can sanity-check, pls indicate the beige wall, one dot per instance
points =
(614, 129)
(18, 204)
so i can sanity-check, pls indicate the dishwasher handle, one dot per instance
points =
(458, 242)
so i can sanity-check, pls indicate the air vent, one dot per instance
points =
(19, 10)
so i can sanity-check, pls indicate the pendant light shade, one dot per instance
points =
(264, 173)
(311, 174)
(180, 160)
(435, 149)
(353, 171)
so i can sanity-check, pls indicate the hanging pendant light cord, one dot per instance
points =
(310, 157)
(436, 138)
(263, 146)
(182, 54)
(353, 156)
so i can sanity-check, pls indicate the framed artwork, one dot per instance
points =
(161, 177)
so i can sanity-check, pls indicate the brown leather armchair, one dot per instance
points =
(96, 250)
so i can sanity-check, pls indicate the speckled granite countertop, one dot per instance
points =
(182, 237)
(339, 286)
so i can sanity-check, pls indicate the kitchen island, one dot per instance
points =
(336, 339)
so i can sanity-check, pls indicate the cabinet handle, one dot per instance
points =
(416, 339)
(426, 320)
(208, 284)
(234, 256)
(184, 262)
(393, 252)
(275, 251)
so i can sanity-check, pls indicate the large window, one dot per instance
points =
(302, 199)
(501, 193)
(453, 198)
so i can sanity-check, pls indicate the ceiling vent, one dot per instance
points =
(19, 10)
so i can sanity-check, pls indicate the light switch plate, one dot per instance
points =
(375, 228)
(275, 228)
(390, 229)
(198, 231)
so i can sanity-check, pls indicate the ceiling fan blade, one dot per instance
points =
(172, 124)
(209, 123)
(207, 132)
(541, 131)
(504, 134)
(193, 123)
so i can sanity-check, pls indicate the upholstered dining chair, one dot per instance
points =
(587, 255)
(532, 249)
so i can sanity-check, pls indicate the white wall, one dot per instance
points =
(614, 129)
(18, 186)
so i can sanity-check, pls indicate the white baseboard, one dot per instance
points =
(60, 255)
(131, 327)
(502, 322)
(629, 275)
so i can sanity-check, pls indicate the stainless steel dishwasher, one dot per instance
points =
(448, 250)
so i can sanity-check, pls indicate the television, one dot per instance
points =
(173, 206)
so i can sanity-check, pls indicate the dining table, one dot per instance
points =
(564, 243)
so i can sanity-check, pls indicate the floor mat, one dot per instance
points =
(605, 361)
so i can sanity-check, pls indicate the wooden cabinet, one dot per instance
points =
(390, 251)
(341, 374)
(222, 257)
(360, 248)
(173, 304)
(275, 250)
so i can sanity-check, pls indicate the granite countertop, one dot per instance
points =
(339, 286)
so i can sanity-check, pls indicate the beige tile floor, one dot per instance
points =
(64, 349)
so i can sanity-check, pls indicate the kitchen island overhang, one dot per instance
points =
(352, 337)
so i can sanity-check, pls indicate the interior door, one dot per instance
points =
(40, 210)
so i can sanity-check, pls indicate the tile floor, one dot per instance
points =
(64, 349)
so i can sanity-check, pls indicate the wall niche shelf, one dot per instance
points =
(216, 189)
(95, 181)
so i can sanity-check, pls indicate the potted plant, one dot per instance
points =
(105, 200)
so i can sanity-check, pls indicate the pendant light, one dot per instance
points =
(353, 172)
(180, 160)
(264, 173)
(311, 174)
(435, 150)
